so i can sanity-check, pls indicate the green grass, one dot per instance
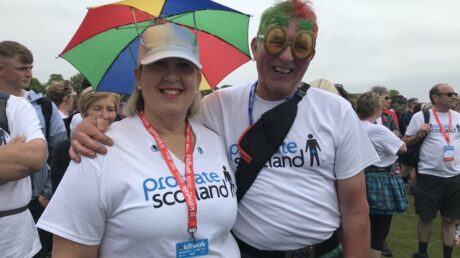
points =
(403, 241)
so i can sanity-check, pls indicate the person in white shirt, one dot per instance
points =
(302, 196)
(438, 179)
(165, 189)
(23, 150)
(385, 189)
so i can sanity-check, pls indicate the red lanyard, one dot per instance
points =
(187, 188)
(441, 127)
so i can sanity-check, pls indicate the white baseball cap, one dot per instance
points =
(168, 40)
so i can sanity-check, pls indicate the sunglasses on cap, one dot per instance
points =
(448, 94)
(276, 41)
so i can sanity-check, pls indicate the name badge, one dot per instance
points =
(448, 153)
(192, 248)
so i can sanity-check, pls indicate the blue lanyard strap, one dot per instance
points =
(252, 96)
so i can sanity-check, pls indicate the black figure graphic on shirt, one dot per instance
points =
(2, 137)
(228, 178)
(458, 128)
(313, 145)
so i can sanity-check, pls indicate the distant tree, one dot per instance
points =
(36, 85)
(78, 82)
(398, 102)
(394, 93)
(354, 96)
(55, 77)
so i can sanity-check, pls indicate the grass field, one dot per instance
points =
(403, 241)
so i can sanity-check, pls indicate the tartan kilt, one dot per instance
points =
(386, 194)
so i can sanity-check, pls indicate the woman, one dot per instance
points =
(90, 104)
(163, 189)
(63, 95)
(385, 188)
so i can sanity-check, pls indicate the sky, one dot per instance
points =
(406, 45)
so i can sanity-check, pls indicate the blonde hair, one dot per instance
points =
(88, 96)
(58, 90)
(324, 85)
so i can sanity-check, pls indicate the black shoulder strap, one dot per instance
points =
(47, 110)
(260, 141)
(426, 116)
(3, 117)
(67, 122)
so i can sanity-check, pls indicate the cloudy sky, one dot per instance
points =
(407, 45)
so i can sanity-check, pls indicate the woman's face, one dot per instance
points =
(102, 108)
(168, 86)
(386, 101)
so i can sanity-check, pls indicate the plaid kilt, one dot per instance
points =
(386, 194)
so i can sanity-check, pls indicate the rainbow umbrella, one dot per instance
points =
(104, 48)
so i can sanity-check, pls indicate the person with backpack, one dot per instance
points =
(16, 78)
(22, 154)
(438, 177)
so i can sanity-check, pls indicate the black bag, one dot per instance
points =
(262, 140)
(413, 154)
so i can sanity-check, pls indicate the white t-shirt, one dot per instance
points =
(293, 201)
(128, 200)
(18, 234)
(432, 151)
(385, 142)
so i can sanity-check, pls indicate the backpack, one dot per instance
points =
(3, 118)
(413, 153)
(67, 122)
(47, 111)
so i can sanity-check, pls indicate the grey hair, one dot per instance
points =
(379, 90)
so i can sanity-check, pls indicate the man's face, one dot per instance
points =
(446, 97)
(15, 74)
(279, 75)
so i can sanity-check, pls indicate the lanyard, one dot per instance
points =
(252, 97)
(441, 127)
(187, 188)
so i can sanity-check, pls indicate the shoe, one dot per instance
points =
(386, 251)
(419, 255)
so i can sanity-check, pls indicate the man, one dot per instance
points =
(16, 73)
(22, 152)
(407, 116)
(407, 171)
(438, 179)
(291, 207)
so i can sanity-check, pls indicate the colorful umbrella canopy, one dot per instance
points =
(104, 48)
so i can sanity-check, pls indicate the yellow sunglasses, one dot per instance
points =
(276, 41)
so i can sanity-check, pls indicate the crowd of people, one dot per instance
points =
(272, 168)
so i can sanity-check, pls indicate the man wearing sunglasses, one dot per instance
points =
(438, 178)
(293, 207)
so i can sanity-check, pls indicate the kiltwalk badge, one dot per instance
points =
(448, 153)
(192, 248)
